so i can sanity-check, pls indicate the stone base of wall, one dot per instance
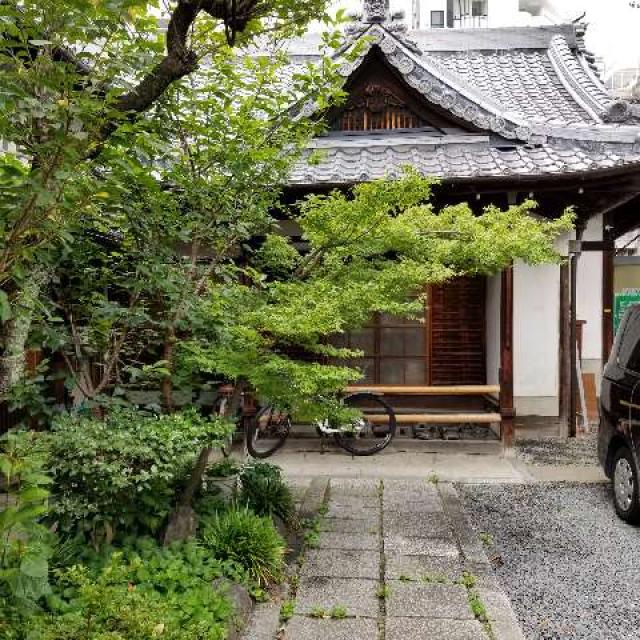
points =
(531, 427)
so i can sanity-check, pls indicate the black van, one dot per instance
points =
(619, 433)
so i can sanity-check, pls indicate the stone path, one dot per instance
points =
(394, 561)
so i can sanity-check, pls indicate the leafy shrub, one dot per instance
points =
(223, 469)
(120, 475)
(117, 604)
(25, 544)
(250, 540)
(263, 490)
(175, 569)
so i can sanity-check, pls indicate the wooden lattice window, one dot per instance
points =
(377, 107)
(447, 346)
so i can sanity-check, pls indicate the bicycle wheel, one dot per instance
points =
(267, 432)
(371, 432)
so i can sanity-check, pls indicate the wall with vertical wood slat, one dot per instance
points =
(457, 327)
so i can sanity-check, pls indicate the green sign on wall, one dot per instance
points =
(624, 300)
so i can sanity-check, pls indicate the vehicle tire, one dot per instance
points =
(367, 438)
(267, 432)
(624, 481)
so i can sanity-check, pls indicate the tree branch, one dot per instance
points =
(181, 60)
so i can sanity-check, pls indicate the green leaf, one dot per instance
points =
(33, 494)
(35, 567)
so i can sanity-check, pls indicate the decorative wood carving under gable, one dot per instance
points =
(375, 107)
(379, 99)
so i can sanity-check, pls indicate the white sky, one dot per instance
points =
(614, 27)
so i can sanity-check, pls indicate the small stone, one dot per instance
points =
(240, 601)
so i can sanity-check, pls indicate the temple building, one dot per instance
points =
(500, 115)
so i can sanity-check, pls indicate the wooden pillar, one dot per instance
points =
(507, 410)
(575, 250)
(565, 349)
(608, 256)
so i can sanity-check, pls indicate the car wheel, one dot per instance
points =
(625, 486)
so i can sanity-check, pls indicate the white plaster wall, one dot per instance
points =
(493, 329)
(589, 299)
(536, 326)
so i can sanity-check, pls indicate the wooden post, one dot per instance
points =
(575, 249)
(573, 350)
(608, 256)
(507, 410)
(565, 348)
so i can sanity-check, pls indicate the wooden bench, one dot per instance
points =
(491, 392)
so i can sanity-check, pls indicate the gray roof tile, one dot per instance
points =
(524, 84)
(355, 159)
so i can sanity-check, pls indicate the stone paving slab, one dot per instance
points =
(355, 502)
(428, 504)
(333, 563)
(340, 511)
(416, 546)
(358, 597)
(429, 525)
(302, 628)
(264, 620)
(354, 487)
(498, 605)
(406, 487)
(347, 525)
(421, 629)
(425, 537)
(421, 600)
(418, 567)
(361, 541)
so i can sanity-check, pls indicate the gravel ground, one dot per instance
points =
(570, 566)
(556, 451)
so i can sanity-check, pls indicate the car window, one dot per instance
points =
(629, 351)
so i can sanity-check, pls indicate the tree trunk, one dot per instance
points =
(181, 522)
(15, 332)
(168, 355)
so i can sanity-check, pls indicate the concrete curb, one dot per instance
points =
(504, 623)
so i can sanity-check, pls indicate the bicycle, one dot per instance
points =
(365, 435)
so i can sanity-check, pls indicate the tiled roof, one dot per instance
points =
(524, 79)
(532, 90)
(345, 159)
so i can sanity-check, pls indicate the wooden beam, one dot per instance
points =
(507, 410)
(401, 390)
(435, 418)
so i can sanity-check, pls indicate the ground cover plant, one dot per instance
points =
(74, 584)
